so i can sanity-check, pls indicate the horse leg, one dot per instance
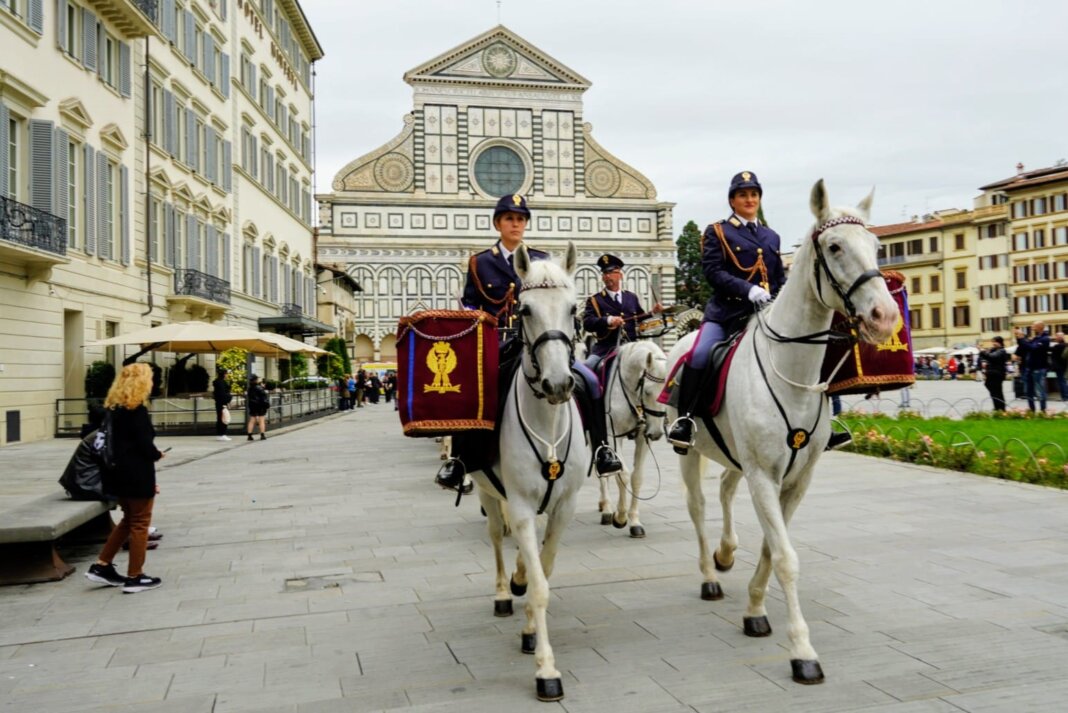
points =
(619, 517)
(641, 447)
(502, 600)
(693, 467)
(602, 504)
(728, 542)
(549, 683)
(774, 506)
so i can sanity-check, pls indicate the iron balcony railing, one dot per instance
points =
(26, 225)
(195, 283)
(150, 8)
(292, 310)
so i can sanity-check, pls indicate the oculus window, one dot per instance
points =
(499, 171)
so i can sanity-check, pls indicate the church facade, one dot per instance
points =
(491, 117)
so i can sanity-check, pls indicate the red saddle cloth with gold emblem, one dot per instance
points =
(870, 368)
(447, 372)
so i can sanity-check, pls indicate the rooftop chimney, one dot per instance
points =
(1019, 168)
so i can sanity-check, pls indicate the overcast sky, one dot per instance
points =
(926, 101)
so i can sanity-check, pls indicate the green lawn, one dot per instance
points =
(1036, 433)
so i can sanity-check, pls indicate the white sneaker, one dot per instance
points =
(223, 438)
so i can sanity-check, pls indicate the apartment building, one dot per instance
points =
(128, 197)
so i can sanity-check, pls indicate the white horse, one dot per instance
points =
(775, 420)
(544, 454)
(635, 379)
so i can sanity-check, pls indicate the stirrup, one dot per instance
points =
(612, 454)
(679, 443)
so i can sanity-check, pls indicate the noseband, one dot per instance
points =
(551, 335)
(821, 261)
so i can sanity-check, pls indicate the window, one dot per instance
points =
(155, 227)
(936, 317)
(962, 279)
(1038, 206)
(157, 114)
(993, 230)
(1019, 241)
(1060, 202)
(111, 330)
(202, 146)
(1021, 273)
(958, 241)
(936, 283)
(897, 251)
(280, 179)
(1060, 235)
(1023, 305)
(915, 247)
(265, 282)
(73, 151)
(962, 316)
(934, 244)
(179, 239)
(74, 35)
(1041, 271)
(109, 59)
(915, 286)
(246, 73)
(1038, 238)
(499, 171)
(110, 206)
(12, 149)
(1019, 209)
(915, 319)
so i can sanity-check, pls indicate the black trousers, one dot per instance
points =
(993, 385)
(220, 427)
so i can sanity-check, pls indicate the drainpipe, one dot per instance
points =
(148, 182)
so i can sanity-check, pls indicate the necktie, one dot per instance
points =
(510, 263)
(619, 298)
(752, 227)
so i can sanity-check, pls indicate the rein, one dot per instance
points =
(638, 410)
(542, 339)
(821, 261)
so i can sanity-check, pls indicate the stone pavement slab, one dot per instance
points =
(320, 571)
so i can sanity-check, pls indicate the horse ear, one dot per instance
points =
(571, 259)
(818, 202)
(522, 262)
(649, 360)
(864, 207)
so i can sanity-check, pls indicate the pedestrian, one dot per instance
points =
(906, 399)
(361, 386)
(257, 402)
(376, 387)
(951, 367)
(350, 386)
(132, 480)
(1058, 359)
(996, 359)
(220, 392)
(1036, 362)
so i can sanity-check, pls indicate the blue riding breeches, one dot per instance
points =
(708, 336)
(589, 377)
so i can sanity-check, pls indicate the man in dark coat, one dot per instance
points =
(996, 359)
(612, 309)
(220, 392)
(1035, 350)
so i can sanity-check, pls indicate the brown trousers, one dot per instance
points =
(136, 517)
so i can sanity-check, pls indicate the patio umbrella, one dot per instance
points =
(205, 338)
(291, 345)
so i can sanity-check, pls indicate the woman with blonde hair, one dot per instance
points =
(132, 481)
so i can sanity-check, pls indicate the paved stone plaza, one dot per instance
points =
(321, 571)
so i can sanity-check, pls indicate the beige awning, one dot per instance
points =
(205, 338)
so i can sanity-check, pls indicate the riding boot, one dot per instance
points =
(605, 459)
(681, 432)
(451, 473)
(839, 439)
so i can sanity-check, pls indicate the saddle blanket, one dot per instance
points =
(447, 364)
(713, 380)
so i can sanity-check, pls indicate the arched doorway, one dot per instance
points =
(363, 349)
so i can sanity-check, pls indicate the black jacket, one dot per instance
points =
(221, 392)
(134, 474)
(995, 361)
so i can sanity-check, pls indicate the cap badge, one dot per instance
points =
(604, 259)
(517, 199)
(746, 175)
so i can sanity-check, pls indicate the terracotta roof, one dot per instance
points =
(901, 228)
(1030, 178)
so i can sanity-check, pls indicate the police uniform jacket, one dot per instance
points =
(602, 305)
(733, 264)
(492, 283)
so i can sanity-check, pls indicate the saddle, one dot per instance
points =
(713, 379)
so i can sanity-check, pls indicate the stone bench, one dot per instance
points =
(29, 533)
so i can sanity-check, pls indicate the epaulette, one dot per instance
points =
(495, 251)
(735, 222)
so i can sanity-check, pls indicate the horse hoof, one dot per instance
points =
(721, 567)
(518, 590)
(550, 689)
(502, 607)
(711, 591)
(807, 672)
(606, 519)
(619, 525)
(637, 532)
(529, 643)
(758, 626)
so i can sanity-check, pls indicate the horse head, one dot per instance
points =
(547, 323)
(845, 275)
(643, 372)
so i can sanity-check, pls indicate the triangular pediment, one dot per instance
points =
(498, 57)
(112, 134)
(73, 111)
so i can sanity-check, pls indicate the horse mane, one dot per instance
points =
(547, 274)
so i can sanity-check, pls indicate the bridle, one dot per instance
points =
(640, 409)
(821, 261)
(552, 335)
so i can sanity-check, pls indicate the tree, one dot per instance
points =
(690, 285)
(330, 366)
(337, 345)
(234, 361)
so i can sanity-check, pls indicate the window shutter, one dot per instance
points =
(5, 116)
(227, 166)
(253, 86)
(224, 73)
(189, 46)
(190, 132)
(60, 175)
(309, 305)
(223, 11)
(287, 284)
(124, 69)
(61, 25)
(274, 278)
(41, 152)
(168, 21)
(211, 250)
(168, 235)
(36, 16)
(170, 121)
(88, 39)
(190, 241)
(89, 198)
(104, 238)
(254, 164)
(209, 151)
(209, 58)
(256, 268)
(152, 237)
(226, 257)
(124, 214)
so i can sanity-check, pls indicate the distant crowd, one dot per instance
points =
(365, 387)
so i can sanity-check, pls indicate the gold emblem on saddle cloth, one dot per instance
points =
(894, 343)
(441, 359)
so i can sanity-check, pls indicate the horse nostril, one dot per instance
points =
(570, 383)
(546, 387)
(876, 314)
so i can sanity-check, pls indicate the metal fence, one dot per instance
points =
(195, 415)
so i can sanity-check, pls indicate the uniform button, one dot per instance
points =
(737, 248)
(760, 251)
(489, 284)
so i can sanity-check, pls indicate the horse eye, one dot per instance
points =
(522, 310)
(835, 248)
(574, 310)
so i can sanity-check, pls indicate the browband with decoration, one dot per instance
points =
(833, 222)
(543, 285)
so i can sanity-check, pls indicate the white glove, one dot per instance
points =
(759, 296)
